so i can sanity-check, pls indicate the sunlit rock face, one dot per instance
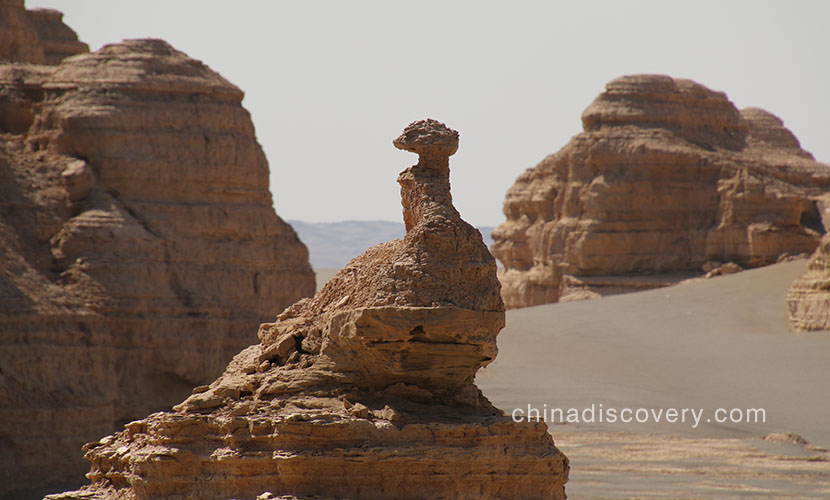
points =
(666, 176)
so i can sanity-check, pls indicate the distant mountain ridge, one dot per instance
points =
(334, 244)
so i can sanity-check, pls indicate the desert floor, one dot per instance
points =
(706, 344)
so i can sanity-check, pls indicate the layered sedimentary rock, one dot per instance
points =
(666, 176)
(809, 297)
(363, 391)
(140, 247)
(36, 36)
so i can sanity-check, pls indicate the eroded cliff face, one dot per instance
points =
(141, 248)
(363, 391)
(809, 297)
(36, 36)
(666, 176)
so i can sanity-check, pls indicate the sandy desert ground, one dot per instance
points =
(705, 344)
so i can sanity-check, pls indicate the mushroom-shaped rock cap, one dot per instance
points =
(428, 137)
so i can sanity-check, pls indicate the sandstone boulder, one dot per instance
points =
(140, 247)
(666, 176)
(363, 391)
(78, 179)
(809, 297)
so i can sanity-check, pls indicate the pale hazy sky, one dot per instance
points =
(329, 84)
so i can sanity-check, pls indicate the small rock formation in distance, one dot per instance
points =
(666, 176)
(364, 391)
(808, 300)
(36, 36)
(140, 244)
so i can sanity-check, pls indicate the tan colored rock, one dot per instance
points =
(715, 268)
(36, 36)
(58, 40)
(666, 176)
(79, 180)
(808, 299)
(19, 41)
(20, 85)
(374, 398)
(786, 437)
(140, 248)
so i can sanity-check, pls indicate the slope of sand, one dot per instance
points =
(706, 344)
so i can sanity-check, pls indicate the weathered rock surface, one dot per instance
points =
(140, 247)
(666, 176)
(363, 391)
(36, 36)
(809, 297)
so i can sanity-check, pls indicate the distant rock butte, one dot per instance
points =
(140, 246)
(36, 36)
(809, 297)
(667, 176)
(363, 391)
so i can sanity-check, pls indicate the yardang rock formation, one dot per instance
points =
(140, 245)
(667, 176)
(363, 391)
(36, 36)
(809, 297)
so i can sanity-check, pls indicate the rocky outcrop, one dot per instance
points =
(666, 176)
(363, 391)
(36, 36)
(141, 248)
(809, 297)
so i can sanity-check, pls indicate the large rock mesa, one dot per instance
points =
(666, 176)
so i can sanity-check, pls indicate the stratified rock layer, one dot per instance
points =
(809, 297)
(36, 36)
(140, 247)
(666, 176)
(363, 391)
